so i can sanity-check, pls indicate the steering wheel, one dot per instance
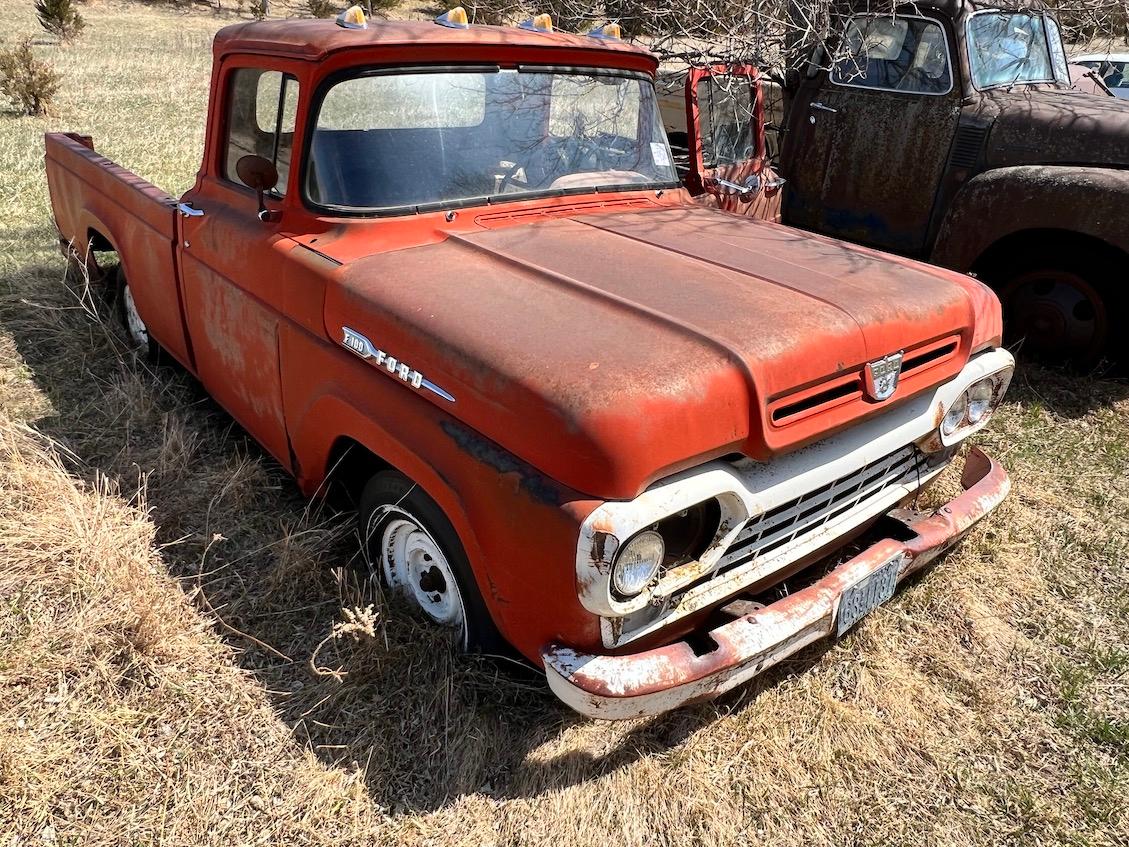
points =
(570, 153)
(508, 176)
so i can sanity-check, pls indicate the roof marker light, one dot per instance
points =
(353, 18)
(609, 30)
(538, 23)
(455, 18)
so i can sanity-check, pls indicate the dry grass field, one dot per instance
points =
(164, 591)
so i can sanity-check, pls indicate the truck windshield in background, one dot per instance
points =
(895, 54)
(1008, 48)
(399, 141)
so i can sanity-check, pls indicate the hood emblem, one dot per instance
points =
(359, 344)
(880, 377)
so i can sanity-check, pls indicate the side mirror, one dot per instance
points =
(260, 174)
(750, 187)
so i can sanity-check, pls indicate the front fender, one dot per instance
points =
(1004, 201)
(518, 527)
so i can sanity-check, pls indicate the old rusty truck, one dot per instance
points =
(654, 448)
(947, 132)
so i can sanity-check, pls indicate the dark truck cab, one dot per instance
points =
(950, 132)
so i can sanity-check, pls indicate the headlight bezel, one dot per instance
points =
(995, 385)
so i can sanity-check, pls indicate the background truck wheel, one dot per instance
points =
(412, 547)
(135, 330)
(1060, 313)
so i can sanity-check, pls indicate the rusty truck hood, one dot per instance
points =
(608, 351)
(1043, 126)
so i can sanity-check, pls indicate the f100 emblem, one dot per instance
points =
(880, 377)
(392, 366)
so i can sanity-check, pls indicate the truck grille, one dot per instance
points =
(795, 522)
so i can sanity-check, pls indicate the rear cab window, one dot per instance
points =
(905, 54)
(262, 107)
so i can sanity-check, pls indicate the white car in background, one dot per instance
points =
(1113, 68)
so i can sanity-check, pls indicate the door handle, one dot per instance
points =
(188, 212)
(820, 107)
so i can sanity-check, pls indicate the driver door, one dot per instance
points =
(869, 140)
(232, 264)
(729, 165)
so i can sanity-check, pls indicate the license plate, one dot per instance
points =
(867, 594)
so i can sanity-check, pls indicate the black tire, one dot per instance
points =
(1063, 308)
(390, 496)
(123, 299)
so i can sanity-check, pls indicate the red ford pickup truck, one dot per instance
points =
(583, 416)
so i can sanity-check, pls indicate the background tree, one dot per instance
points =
(60, 17)
(26, 81)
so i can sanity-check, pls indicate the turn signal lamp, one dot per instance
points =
(455, 18)
(353, 18)
(538, 23)
(608, 30)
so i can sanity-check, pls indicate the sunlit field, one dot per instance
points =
(170, 670)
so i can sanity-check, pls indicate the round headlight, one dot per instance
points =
(637, 563)
(955, 416)
(979, 401)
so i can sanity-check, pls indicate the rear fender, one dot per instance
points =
(1005, 201)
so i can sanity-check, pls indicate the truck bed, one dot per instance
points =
(100, 204)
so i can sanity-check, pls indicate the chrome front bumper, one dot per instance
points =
(655, 681)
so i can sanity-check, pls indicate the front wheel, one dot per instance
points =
(1060, 313)
(412, 547)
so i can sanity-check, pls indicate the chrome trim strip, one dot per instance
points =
(357, 343)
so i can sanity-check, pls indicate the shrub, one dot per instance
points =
(490, 12)
(27, 82)
(381, 6)
(321, 8)
(59, 17)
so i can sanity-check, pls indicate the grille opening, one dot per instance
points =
(815, 400)
(888, 527)
(700, 642)
(929, 356)
(686, 534)
(797, 519)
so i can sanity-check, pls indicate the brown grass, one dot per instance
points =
(163, 589)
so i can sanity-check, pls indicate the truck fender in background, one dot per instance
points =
(1006, 201)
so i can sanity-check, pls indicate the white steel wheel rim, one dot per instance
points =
(414, 565)
(138, 332)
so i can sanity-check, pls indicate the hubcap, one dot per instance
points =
(414, 566)
(1058, 313)
(138, 333)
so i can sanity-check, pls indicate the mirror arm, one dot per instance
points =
(264, 214)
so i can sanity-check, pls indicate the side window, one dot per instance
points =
(1058, 54)
(727, 116)
(772, 95)
(894, 54)
(261, 111)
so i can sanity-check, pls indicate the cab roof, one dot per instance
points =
(316, 39)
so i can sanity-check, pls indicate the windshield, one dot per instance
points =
(405, 140)
(1005, 48)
